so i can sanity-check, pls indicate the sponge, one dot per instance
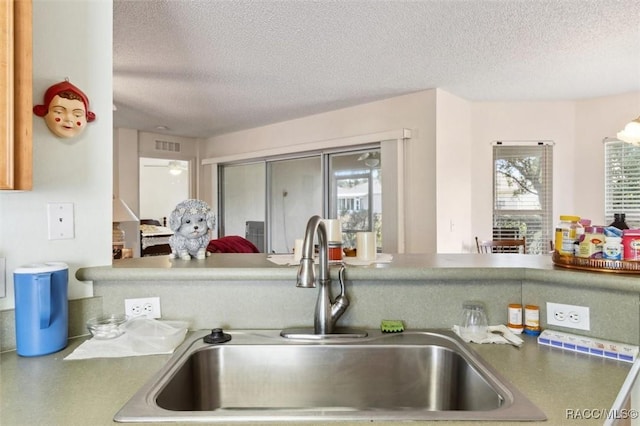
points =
(392, 326)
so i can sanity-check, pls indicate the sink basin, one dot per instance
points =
(260, 376)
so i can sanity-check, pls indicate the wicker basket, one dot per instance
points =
(599, 265)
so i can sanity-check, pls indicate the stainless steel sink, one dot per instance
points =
(260, 376)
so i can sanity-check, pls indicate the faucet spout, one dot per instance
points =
(326, 311)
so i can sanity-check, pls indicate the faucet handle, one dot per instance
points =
(342, 301)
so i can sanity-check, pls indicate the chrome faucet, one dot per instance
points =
(326, 312)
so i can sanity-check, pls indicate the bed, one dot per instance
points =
(154, 238)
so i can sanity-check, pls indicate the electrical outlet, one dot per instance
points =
(145, 306)
(569, 316)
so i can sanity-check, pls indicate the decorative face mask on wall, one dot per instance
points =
(65, 110)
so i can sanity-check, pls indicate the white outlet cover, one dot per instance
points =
(147, 306)
(60, 220)
(569, 316)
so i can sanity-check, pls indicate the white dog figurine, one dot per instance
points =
(190, 222)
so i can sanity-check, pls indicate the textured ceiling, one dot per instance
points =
(203, 68)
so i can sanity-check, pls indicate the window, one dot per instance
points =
(622, 181)
(522, 193)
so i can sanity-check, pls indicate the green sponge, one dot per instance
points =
(392, 326)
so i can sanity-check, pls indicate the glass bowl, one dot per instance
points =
(107, 326)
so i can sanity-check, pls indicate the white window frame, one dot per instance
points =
(622, 181)
(542, 245)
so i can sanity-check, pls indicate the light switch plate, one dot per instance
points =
(60, 219)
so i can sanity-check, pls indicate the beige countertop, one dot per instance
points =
(47, 390)
(425, 267)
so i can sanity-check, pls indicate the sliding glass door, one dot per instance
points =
(356, 193)
(295, 194)
(242, 199)
(277, 196)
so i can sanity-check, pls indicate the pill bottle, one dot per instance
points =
(514, 318)
(612, 249)
(532, 320)
(568, 233)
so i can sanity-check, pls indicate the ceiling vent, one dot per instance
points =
(167, 146)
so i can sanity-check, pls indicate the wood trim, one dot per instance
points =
(23, 91)
(6, 95)
(16, 95)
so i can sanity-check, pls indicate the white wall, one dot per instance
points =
(449, 188)
(453, 164)
(414, 111)
(161, 191)
(596, 119)
(576, 127)
(70, 39)
(126, 181)
(505, 121)
(189, 151)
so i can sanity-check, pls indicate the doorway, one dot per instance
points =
(163, 184)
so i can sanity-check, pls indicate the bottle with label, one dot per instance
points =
(612, 249)
(532, 320)
(619, 221)
(514, 320)
(568, 233)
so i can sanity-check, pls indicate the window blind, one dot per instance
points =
(523, 193)
(622, 181)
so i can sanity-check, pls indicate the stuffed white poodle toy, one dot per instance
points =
(190, 221)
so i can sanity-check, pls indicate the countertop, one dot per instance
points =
(425, 267)
(47, 390)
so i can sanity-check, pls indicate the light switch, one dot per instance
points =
(60, 218)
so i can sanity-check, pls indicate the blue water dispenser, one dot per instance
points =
(42, 308)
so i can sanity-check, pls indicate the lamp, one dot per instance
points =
(631, 132)
(121, 213)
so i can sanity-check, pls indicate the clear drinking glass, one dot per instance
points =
(474, 321)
